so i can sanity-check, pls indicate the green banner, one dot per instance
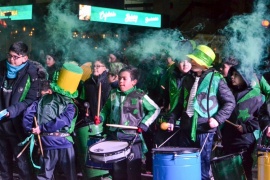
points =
(16, 12)
(107, 15)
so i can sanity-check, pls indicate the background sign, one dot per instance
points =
(108, 15)
(16, 12)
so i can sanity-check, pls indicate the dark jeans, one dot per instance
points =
(63, 158)
(185, 141)
(8, 150)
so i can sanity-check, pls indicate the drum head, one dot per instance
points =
(175, 150)
(226, 157)
(108, 147)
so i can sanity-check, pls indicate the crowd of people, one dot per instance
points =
(60, 110)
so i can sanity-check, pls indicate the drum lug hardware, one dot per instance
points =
(89, 157)
(174, 155)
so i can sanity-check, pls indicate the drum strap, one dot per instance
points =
(56, 134)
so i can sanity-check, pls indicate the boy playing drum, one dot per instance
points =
(131, 107)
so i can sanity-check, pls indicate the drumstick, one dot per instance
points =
(231, 123)
(168, 138)
(23, 149)
(39, 140)
(99, 97)
(214, 147)
(122, 126)
(86, 105)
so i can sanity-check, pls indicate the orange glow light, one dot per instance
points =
(265, 23)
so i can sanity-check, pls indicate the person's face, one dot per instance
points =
(112, 58)
(112, 78)
(44, 92)
(98, 68)
(196, 67)
(125, 82)
(225, 69)
(15, 59)
(184, 66)
(50, 61)
(237, 79)
(169, 61)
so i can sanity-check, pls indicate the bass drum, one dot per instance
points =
(81, 148)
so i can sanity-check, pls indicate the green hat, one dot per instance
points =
(68, 80)
(203, 55)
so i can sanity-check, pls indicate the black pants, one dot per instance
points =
(9, 150)
(63, 158)
(130, 168)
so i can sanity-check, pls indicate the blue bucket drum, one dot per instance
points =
(176, 163)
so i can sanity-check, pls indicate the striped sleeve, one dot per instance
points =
(151, 111)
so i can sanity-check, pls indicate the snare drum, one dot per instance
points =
(228, 167)
(81, 148)
(109, 151)
(89, 162)
(176, 163)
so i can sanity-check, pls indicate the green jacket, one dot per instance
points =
(114, 111)
(131, 107)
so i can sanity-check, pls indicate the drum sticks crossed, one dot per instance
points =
(39, 141)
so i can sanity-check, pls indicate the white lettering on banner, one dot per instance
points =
(131, 18)
(151, 19)
(105, 15)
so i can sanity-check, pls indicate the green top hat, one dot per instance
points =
(203, 55)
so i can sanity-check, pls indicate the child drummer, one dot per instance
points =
(240, 137)
(129, 106)
(56, 114)
(205, 102)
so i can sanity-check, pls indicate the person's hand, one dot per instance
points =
(240, 128)
(268, 131)
(36, 130)
(3, 114)
(97, 120)
(213, 123)
(170, 127)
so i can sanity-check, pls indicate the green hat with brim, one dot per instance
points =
(203, 55)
